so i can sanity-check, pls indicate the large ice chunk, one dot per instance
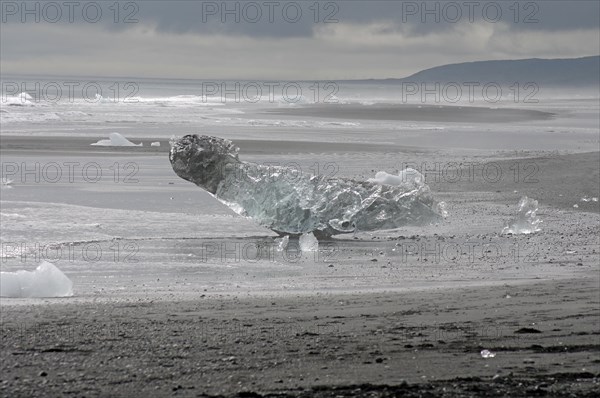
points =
(45, 281)
(116, 139)
(293, 203)
(526, 221)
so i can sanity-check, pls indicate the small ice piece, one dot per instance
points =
(308, 242)
(156, 143)
(585, 199)
(24, 96)
(442, 209)
(576, 206)
(594, 199)
(6, 183)
(407, 176)
(526, 221)
(45, 281)
(116, 139)
(21, 99)
(282, 243)
(102, 100)
(487, 354)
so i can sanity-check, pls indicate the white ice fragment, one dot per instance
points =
(594, 199)
(308, 242)
(24, 96)
(576, 206)
(526, 221)
(487, 354)
(102, 100)
(157, 143)
(282, 243)
(21, 99)
(6, 183)
(442, 209)
(406, 176)
(45, 281)
(116, 139)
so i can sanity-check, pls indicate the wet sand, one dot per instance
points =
(558, 179)
(74, 145)
(417, 113)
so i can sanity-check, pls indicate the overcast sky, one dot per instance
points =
(285, 40)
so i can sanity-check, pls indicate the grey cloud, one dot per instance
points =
(186, 16)
(370, 41)
(204, 17)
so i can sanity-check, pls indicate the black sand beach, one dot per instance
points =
(418, 344)
(420, 338)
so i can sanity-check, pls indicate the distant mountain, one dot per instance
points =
(575, 72)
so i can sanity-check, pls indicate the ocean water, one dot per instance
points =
(159, 108)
